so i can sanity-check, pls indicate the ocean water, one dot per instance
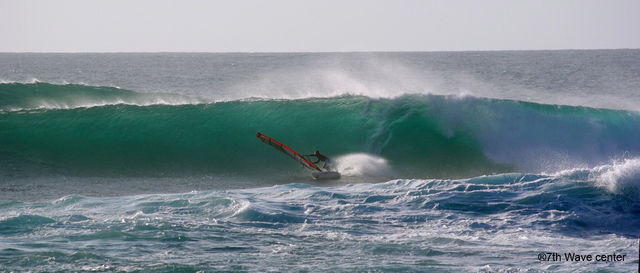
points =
(451, 162)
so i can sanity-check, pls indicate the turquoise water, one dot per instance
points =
(418, 135)
(451, 162)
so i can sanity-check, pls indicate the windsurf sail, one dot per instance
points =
(288, 151)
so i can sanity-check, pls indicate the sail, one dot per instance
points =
(288, 151)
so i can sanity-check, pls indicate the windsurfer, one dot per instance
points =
(320, 157)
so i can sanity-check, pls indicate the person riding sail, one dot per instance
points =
(320, 157)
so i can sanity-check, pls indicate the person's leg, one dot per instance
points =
(327, 165)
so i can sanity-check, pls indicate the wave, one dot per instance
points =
(568, 202)
(15, 96)
(408, 136)
(619, 177)
(407, 219)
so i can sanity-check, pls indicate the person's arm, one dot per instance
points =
(317, 158)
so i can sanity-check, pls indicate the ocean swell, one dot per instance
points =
(407, 136)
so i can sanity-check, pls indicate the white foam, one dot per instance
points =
(88, 103)
(75, 103)
(618, 176)
(361, 164)
(73, 100)
(29, 81)
(33, 80)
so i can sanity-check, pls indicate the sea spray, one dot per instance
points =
(361, 164)
(164, 173)
(622, 177)
(417, 135)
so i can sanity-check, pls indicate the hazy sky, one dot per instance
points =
(327, 25)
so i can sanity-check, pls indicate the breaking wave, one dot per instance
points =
(92, 130)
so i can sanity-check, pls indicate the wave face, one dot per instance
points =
(411, 225)
(418, 135)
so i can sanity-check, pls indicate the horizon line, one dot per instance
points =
(311, 52)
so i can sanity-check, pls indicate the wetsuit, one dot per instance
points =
(322, 158)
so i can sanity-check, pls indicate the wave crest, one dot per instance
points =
(412, 135)
(41, 96)
(620, 177)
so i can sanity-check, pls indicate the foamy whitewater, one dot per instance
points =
(451, 162)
